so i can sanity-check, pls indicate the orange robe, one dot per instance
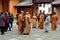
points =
(41, 21)
(54, 22)
(19, 21)
(27, 21)
(34, 22)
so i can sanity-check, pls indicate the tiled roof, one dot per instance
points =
(56, 2)
(25, 3)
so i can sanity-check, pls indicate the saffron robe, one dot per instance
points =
(19, 22)
(27, 21)
(41, 21)
(34, 22)
(54, 20)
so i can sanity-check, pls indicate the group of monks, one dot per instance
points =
(24, 21)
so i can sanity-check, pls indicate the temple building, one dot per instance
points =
(32, 6)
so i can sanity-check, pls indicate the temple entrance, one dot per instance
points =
(45, 8)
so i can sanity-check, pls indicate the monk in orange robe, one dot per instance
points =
(41, 21)
(19, 21)
(27, 22)
(54, 20)
(34, 21)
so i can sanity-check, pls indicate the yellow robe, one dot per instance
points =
(27, 28)
(41, 21)
(54, 22)
(19, 21)
(34, 22)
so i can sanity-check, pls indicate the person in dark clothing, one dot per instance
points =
(11, 20)
(7, 22)
(2, 23)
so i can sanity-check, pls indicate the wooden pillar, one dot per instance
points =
(8, 6)
(52, 9)
(3, 5)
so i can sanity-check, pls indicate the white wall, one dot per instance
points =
(47, 8)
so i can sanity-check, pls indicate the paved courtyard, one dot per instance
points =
(35, 34)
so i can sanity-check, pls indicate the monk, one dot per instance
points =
(54, 20)
(41, 21)
(34, 21)
(19, 21)
(27, 22)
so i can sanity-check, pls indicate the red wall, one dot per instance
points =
(58, 12)
(1, 6)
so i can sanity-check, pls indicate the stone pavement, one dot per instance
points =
(35, 34)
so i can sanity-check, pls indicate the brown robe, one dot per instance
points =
(27, 21)
(34, 22)
(41, 21)
(54, 22)
(19, 22)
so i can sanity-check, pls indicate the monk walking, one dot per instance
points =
(41, 21)
(34, 21)
(19, 21)
(27, 22)
(54, 20)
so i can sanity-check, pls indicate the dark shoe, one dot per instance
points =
(5, 31)
(2, 33)
(46, 31)
(26, 33)
(41, 28)
(21, 32)
(10, 30)
(34, 27)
